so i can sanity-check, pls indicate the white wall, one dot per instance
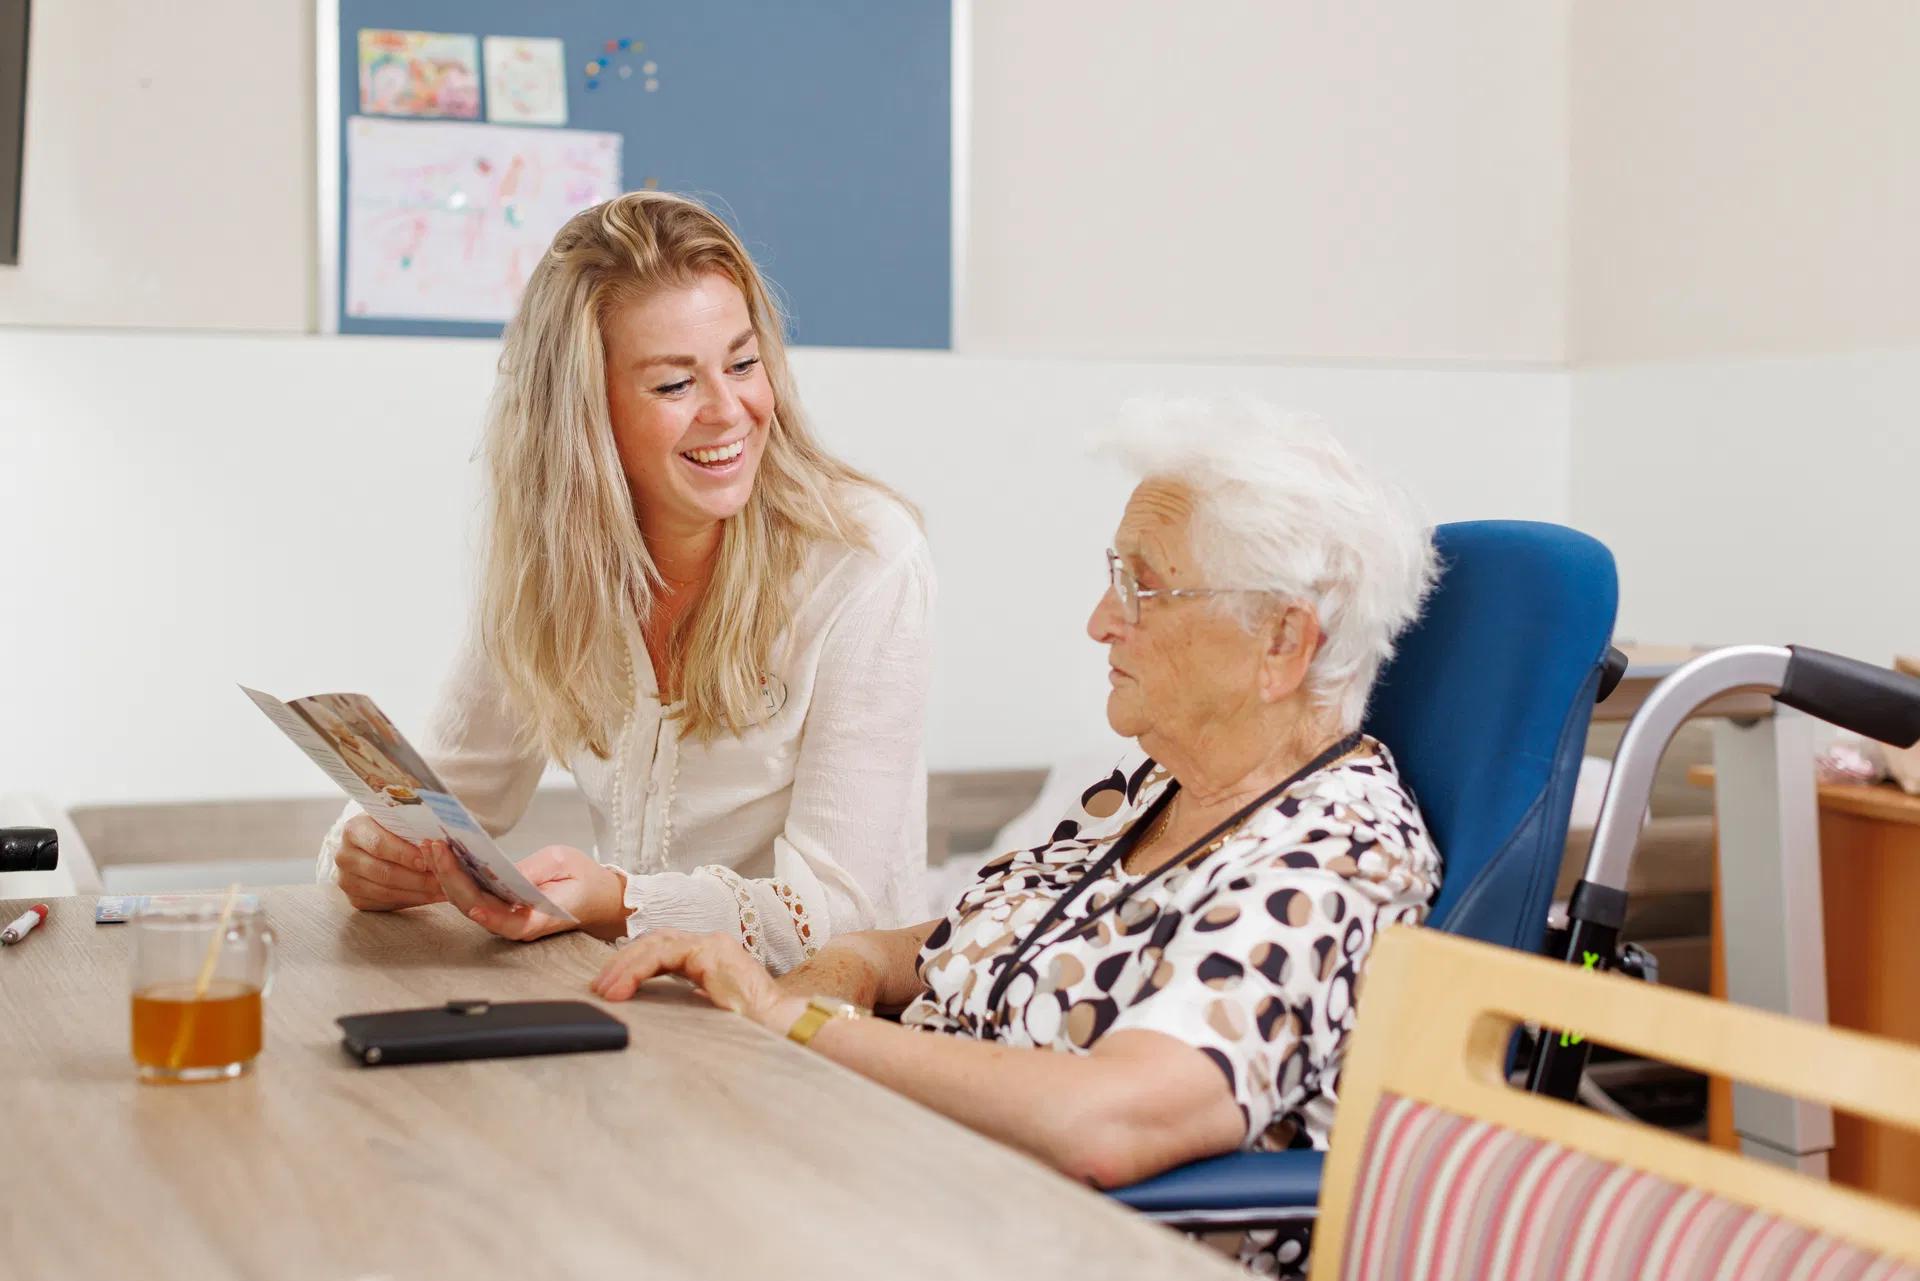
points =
(169, 166)
(1763, 500)
(1746, 179)
(1746, 189)
(1390, 175)
(182, 512)
(1327, 180)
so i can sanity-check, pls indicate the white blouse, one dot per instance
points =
(810, 824)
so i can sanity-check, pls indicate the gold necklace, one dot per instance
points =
(1155, 826)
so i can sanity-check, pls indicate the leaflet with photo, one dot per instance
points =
(357, 747)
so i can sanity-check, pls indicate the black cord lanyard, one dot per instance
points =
(1124, 846)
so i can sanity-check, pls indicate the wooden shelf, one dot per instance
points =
(1868, 800)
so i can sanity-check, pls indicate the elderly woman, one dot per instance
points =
(1173, 975)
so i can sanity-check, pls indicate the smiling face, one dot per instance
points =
(690, 401)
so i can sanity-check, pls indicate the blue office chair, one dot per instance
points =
(1485, 707)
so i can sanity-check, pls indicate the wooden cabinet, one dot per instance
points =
(1870, 901)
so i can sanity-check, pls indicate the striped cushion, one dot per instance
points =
(1445, 1197)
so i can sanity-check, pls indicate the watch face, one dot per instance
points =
(834, 1007)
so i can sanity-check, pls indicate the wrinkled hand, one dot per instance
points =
(379, 872)
(567, 876)
(718, 966)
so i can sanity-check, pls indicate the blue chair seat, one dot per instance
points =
(1269, 1186)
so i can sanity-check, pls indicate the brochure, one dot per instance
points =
(358, 747)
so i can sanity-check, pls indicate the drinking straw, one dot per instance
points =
(200, 984)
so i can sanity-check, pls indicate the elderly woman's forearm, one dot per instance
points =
(1110, 1118)
(874, 968)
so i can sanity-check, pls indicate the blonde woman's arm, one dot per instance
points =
(853, 851)
(474, 745)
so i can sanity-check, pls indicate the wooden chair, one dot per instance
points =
(1441, 1169)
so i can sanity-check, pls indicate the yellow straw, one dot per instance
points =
(207, 965)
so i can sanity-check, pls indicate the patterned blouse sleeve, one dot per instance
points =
(1258, 973)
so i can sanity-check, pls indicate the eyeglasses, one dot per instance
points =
(1128, 591)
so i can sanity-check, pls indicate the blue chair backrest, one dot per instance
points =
(1485, 707)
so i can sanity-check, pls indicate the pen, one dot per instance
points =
(24, 925)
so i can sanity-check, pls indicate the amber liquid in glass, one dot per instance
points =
(175, 1035)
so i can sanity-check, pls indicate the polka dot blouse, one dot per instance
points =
(1252, 955)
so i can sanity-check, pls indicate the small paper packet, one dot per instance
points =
(116, 909)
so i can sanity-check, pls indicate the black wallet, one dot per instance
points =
(479, 1030)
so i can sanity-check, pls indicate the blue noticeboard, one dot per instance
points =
(820, 129)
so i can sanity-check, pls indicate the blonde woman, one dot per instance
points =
(722, 630)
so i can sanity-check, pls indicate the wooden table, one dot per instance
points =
(1870, 898)
(708, 1148)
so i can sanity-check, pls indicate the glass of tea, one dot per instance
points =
(197, 986)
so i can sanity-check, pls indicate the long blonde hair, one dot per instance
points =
(568, 577)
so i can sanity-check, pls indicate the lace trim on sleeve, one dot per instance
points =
(802, 923)
(743, 898)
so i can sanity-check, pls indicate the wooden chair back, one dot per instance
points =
(1439, 1168)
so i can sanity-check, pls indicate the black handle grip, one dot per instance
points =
(1875, 701)
(29, 849)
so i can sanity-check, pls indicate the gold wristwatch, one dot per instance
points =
(819, 1010)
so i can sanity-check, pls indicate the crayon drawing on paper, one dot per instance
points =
(526, 80)
(446, 221)
(419, 73)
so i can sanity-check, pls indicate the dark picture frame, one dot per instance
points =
(13, 122)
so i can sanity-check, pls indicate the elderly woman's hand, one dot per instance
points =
(716, 964)
(593, 893)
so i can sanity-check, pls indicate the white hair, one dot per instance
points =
(1280, 507)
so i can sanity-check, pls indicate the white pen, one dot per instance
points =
(24, 925)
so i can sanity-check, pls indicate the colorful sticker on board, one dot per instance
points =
(419, 73)
(526, 80)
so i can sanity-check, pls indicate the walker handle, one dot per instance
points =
(1875, 701)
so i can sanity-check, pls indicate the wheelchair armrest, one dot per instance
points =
(1240, 1189)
